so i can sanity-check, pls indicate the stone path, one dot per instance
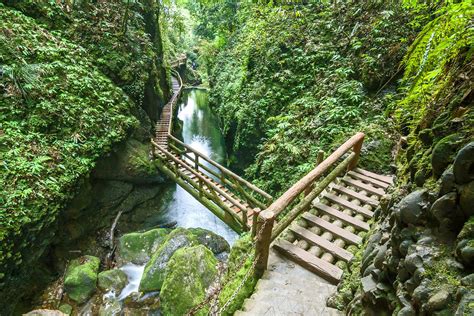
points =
(287, 289)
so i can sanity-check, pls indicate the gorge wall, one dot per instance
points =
(77, 83)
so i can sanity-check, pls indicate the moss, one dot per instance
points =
(81, 277)
(190, 272)
(235, 275)
(112, 280)
(155, 270)
(139, 247)
(441, 272)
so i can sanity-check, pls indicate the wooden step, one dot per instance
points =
(356, 195)
(342, 216)
(375, 183)
(314, 264)
(349, 205)
(363, 186)
(319, 241)
(330, 227)
(386, 179)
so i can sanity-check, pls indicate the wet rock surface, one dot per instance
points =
(81, 278)
(179, 266)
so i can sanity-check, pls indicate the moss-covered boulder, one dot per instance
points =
(154, 273)
(114, 280)
(81, 278)
(443, 153)
(139, 247)
(190, 272)
(217, 244)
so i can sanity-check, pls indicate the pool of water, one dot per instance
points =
(201, 132)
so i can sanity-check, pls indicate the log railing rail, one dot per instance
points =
(225, 176)
(311, 190)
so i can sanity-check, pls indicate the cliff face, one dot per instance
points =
(295, 80)
(418, 259)
(74, 83)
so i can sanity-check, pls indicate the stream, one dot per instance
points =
(201, 132)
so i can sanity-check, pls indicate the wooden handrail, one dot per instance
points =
(223, 169)
(292, 193)
(200, 177)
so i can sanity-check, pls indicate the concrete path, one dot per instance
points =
(287, 289)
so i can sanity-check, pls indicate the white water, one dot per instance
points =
(201, 132)
(134, 274)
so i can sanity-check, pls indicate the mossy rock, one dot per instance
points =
(114, 280)
(155, 269)
(139, 247)
(190, 272)
(217, 244)
(81, 278)
(443, 153)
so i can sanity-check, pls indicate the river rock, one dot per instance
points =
(466, 200)
(81, 278)
(465, 304)
(155, 269)
(407, 310)
(447, 183)
(45, 312)
(468, 280)
(110, 308)
(422, 292)
(463, 167)
(66, 309)
(114, 280)
(217, 244)
(412, 207)
(438, 301)
(191, 271)
(446, 212)
(139, 247)
(443, 153)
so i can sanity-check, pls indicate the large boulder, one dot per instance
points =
(466, 200)
(217, 244)
(81, 278)
(155, 269)
(191, 271)
(139, 247)
(413, 206)
(463, 167)
(112, 280)
(443, 153)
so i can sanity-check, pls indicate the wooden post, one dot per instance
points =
(196, 162)
(356, 149)
(256, 211)
(320, 157)
(265, 223)
(245, 220)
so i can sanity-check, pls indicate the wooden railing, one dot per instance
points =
(256, 197)
(179, 61)
(174, 100)
(265, 220)
(177, 168)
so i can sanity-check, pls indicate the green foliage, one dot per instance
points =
(438, 92)
(288, 85)
(58, 115)
(236, 275)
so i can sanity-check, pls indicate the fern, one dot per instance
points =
(439, 43)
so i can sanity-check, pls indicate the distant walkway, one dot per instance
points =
(288, 289)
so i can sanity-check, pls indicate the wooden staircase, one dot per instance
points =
(319, 239)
